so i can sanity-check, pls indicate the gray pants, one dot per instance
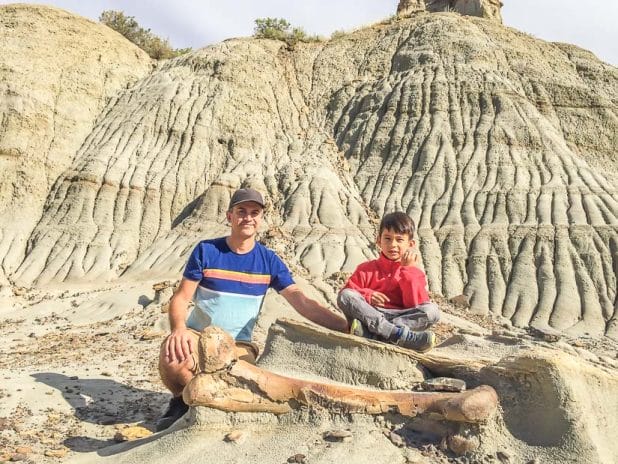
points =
(384, 322)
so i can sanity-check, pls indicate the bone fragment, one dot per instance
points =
(238, 386)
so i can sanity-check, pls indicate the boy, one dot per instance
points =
(387, 298)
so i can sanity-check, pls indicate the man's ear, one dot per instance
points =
(228, 216)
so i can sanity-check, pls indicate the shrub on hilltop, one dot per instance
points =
(281, 29)
(155, 46)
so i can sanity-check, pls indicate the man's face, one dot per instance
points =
(393, 245)
(245, 219)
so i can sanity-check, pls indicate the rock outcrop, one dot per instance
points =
(58, 72)
(488, 9)
(499, 145)
(406, 7)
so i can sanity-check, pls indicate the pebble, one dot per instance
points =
(338, 435)
(444, 384)
(396, 439)
(56, 453)
(19, 457)
(504, 457)
(461, 445)
(461, 301)
(132, 433)
(299, 458)
(235, 436)
(23, 450)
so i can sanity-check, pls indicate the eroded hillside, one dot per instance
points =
(499, 145)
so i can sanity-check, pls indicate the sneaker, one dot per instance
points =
(417, 341)
(358, 328)
(176, 409)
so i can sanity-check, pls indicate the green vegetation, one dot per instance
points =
(155, 46)
(281, 29)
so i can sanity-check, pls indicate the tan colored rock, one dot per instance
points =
(131, 433)
(406, 7)
(56, 453)
(461, 445)
(488, 9)
(59, 72)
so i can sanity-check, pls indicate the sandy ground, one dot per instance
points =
(79, 364)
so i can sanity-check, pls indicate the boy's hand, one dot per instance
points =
(379, 299)
(410, 258)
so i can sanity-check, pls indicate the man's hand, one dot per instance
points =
(178, 346)
(410, 257)
(379, 299)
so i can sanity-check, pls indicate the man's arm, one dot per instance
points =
(313, 310)
(178, 345)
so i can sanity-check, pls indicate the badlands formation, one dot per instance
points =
(499, 145)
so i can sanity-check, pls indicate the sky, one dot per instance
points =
(589, 24)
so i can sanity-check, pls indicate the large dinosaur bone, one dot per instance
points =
(235, 385)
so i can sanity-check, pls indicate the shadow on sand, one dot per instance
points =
(105, 402)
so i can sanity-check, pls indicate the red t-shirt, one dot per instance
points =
(405, 286)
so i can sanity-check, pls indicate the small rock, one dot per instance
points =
(534, 461)
(547, 334)
(299, 458)
(338, 435)
(132, 433)
(466, 331)
(504, 456)
(19, 457)
(461, 445)
(56, 453)
(444, 384)
(150, 334)
(23, 450)
(235, 436)
(461, 301)
(396, 439)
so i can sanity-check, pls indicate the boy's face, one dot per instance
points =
(393, 245)
(245, 219)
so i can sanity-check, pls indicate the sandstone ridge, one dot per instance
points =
(499, 145)
(488, 9)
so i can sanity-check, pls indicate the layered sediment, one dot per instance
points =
(499, 145)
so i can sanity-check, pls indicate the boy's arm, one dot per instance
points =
(357, 282)
(413, 285)
(313, 310)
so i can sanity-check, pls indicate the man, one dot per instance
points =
(227, 278)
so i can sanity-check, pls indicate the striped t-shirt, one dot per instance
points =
(232, 286)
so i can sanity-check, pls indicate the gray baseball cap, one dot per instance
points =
(246, 194)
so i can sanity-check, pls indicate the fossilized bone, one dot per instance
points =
(229, 384)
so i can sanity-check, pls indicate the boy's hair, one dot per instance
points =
(398, 222)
